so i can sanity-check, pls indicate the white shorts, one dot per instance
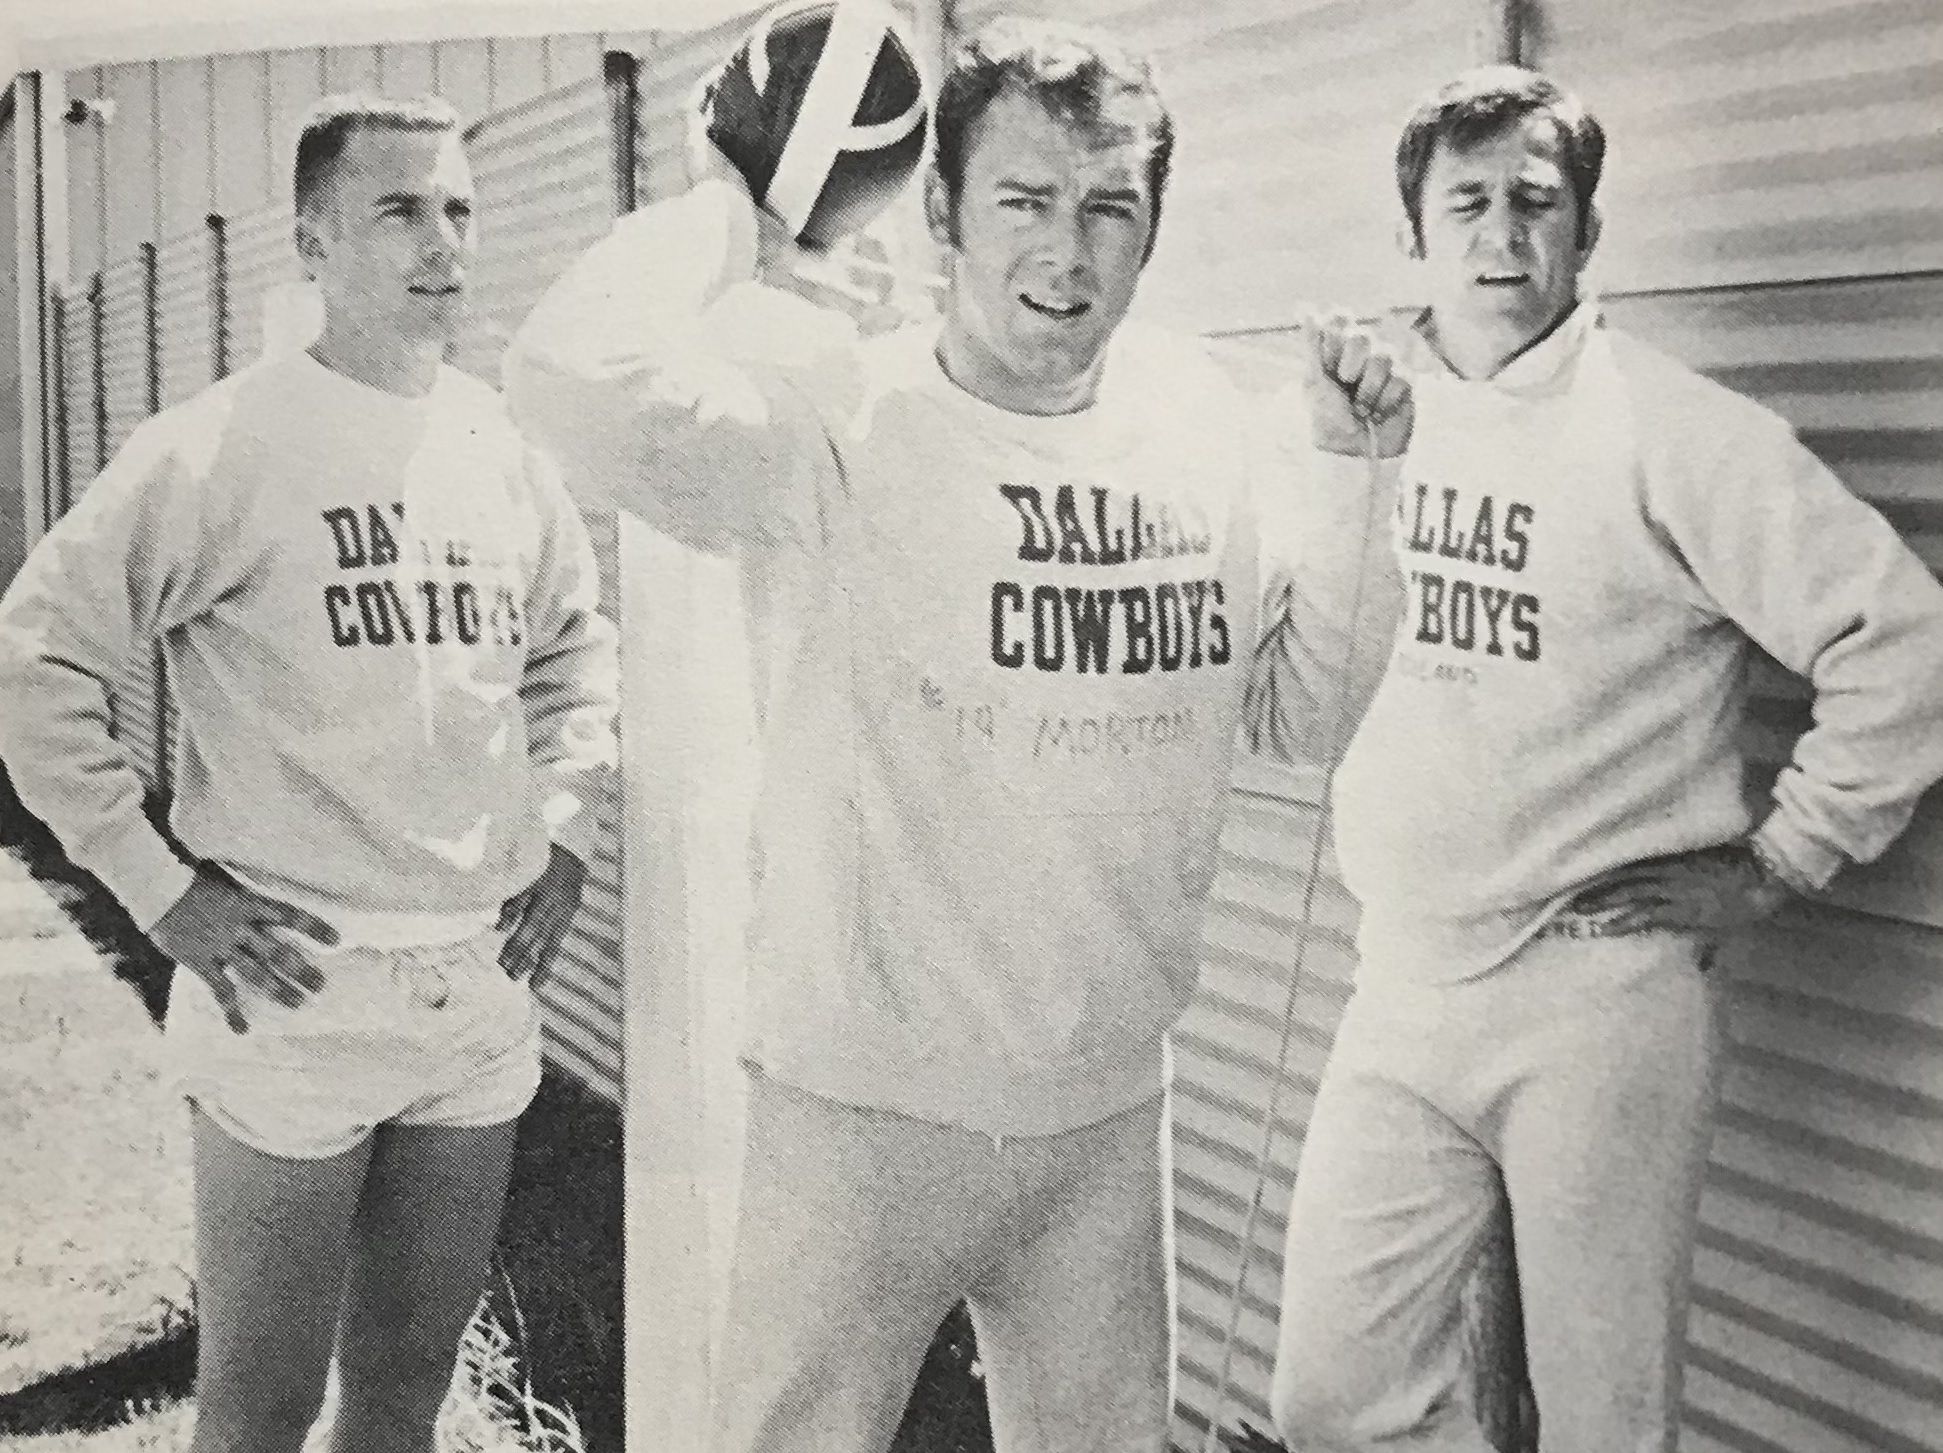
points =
(424, 1035)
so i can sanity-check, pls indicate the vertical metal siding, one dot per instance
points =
(227, 125)
(75, 423)
(669, 74)
(183, 313)
(262, 256)
(185, 323)
(13, 497)
(544, 173)
(125, 369)
(124, 350)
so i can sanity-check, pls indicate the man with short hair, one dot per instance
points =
(1543, 811)
(377, 608)
(1003, 580)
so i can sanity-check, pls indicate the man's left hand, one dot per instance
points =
(536, 920)
(1353, 385)
(1712, 891)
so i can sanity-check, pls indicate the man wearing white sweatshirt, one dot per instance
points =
(1002, 581)
(377, 608)
(1543, 811)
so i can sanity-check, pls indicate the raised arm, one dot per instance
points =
(657, 372)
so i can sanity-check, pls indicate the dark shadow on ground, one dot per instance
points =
(560, 1244)
(89, 1399)
(560, 1239)
(103, 922)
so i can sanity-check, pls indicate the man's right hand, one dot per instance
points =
(225, 935)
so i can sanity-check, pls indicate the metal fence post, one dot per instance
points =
(218, 296)
(57, 304)
(151, 329)
(152, 368)
(623, 74)
(98, 382)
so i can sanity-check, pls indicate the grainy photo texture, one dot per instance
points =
(1222, 718)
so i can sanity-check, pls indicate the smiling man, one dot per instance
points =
(1002, 575)
(378, 612)
(1544, 812)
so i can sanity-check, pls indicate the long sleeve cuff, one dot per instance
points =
(1802, 863)
(573, 813)
(144, 875)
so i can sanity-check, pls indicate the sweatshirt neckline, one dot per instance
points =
(1021, 425)
(359, 395)
(1542, 368)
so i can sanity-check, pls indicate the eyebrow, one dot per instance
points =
(414, 199)
(1129, 195)
(1030, 189)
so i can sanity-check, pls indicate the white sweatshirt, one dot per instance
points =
(1003, 661)
(379, 619)
(1592, 544)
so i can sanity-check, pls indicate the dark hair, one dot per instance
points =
(329, 124)
(1481, 104)
(1076, 74)
(745, 124)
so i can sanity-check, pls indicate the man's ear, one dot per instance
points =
(1406, 239)
(312, 249)
(937, 209)
(1594, 221)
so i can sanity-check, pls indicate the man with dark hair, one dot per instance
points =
(1001, 573)
(378, 612)
(1543, 812)
(1077, 85)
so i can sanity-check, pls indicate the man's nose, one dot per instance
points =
(444, 237)
(1499, 232)
(1063, 246)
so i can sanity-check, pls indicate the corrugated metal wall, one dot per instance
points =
(1760, 140)
(13, 501)
(543, 165)
(1226, 1063)
(215, 134)
(1775, 217)
(1777, 220)
(545, 176)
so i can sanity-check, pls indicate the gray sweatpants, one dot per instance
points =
(859, 1229)
(1577, 1079)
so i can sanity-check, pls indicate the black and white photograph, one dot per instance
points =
(971, 726)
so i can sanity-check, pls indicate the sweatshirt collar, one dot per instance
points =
(342, 389)
(1545, 367)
